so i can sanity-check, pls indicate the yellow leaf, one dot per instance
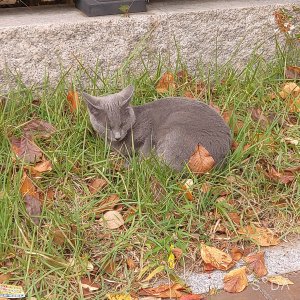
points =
(119, 297)
(153, 273)
(171, 260)
(280, 280)
(236, 280)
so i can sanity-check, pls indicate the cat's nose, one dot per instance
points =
(117, 136)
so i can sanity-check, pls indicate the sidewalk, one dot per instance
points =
(265, 291)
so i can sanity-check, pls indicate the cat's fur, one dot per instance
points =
(171, 127)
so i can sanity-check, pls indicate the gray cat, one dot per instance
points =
(171, 127)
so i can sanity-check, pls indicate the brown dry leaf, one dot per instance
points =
(187, 187)
(177, 253)
(73, 100)
(108, 203)
(5, 277)
(166, 83)
(38, 128)
(33, 208)
(256, 264)
(112, 220)
(41, 167)
(201, 161)
(208, 267)
(59, 237)
(292, 72)
(119, 297)
(285, 177)
(88, 286)
(234, 217)
(24, 148)
(192, 297)
(27, 187)
(291, 93)
(236, 280)
(279, 280)
(215, 257)
(97, 184)
(189, 95)
(164, 291)
(130, 263)
(236, 253)
(261, 236)
(183, 77)
(258, 116)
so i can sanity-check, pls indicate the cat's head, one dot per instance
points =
(111, 116)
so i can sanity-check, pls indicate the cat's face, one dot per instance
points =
(111, 116)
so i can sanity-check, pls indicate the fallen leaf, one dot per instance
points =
(236, 280)
(177, 252)
(183, 77)
(166, 83)
(88, 286)
(261, 236)
(292, 72)
(171, 260)
(119, 297)
(41, 167)
(187, 187)
(258, 116)
(208, 267)
(235, 218)
(73, 100)
(27, 187)
(192, 297)
(59, 237)
(279, 280)
(291, 93)
(112, 220)
(153, 273)
(201, 161)
(256, 263)
(25, 149)
(38, 128)
(108, 203)
(33, 208)
(236, 253)
(5, 277)
(164, 291)
(130, 263)
(189, 95)
(215, 257)
(96, 185)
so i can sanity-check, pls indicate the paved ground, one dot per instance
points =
(265, 291)
(281, 259)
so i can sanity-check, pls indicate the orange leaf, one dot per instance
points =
(166, 83)
(236, 280)
(235, 218)
(27, 187)
(73, 100)
(177, 253)
(261, 236)
(291, 93)
(192, 297)
(97, 184)
(256, 263)
(236, 253)
(164, 291)
(201, 161)
(39, 168)
(108, 203)
(130, 263)
(215, 257)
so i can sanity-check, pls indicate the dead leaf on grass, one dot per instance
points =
(279, 280)
(256, 264)
(201, 161)
(291, 93)
(292, 72)
(108, 203)
(33, 208)
(187, 187)
(215, 257)
(96, 185)
(5, 277)
(73, 100)
(261, 236)
(27, 187)
(177, 253)
(258, 116)
(119, 297)
(130, 263)
(236, 253)
(166, 83)
(112, 220)
(235, 218)
(236, 280)
(26, 149)
(164, 291)
(38, 128)
(88, 286)
(41, 167)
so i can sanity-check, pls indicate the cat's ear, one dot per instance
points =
(92, 100)
(126, 95)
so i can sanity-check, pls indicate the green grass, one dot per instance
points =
(41, 266)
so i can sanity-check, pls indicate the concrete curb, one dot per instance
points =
(281, 259)
(45, 40)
